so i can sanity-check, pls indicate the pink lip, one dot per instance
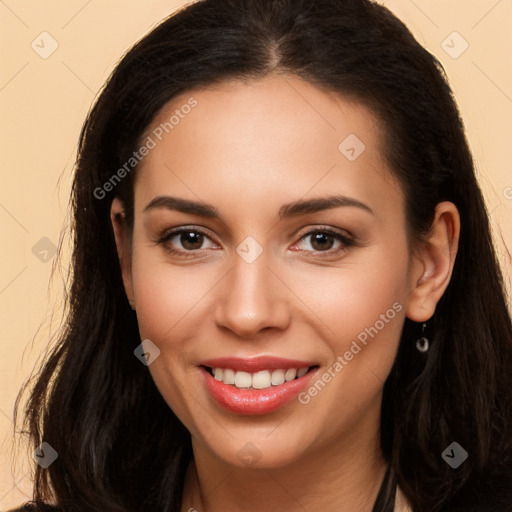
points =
(253, 402)
(255, 364)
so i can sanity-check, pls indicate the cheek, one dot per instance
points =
(343, 401)
(352, 297)
(167, 294)
(169, 302)
(361, 308)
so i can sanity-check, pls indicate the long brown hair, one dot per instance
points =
(121, 448)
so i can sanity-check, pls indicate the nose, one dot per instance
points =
(252, 299)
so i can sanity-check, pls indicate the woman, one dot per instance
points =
(284, 292)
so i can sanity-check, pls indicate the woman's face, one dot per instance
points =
(269, 237)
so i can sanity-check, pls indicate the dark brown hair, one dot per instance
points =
(121, 448)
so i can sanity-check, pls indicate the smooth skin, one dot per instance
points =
(247, 149)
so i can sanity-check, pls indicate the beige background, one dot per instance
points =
(43, 103)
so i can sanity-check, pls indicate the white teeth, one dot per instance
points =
(229, 377)
(290, 374)
(302, 372)
(277, 377)
(243, 380)
(260, 380)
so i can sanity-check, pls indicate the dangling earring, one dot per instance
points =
(422, 343)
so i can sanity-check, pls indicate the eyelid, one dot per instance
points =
(320, 228)
(169, 233)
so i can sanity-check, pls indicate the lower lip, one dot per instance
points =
(253, 402)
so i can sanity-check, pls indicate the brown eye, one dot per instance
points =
(186, 241)
(191, 240)
(322, 241)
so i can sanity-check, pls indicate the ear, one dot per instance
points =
(123, 243)
(433, 263)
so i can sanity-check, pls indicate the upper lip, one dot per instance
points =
(255, 364)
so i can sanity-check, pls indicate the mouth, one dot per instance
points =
(255, 386)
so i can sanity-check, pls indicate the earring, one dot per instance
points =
(422, 343)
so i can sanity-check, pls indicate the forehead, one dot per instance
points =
(277, 137)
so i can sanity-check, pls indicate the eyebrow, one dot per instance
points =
(294, 209)
(182, 205)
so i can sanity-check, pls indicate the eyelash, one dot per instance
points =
(346, 241)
